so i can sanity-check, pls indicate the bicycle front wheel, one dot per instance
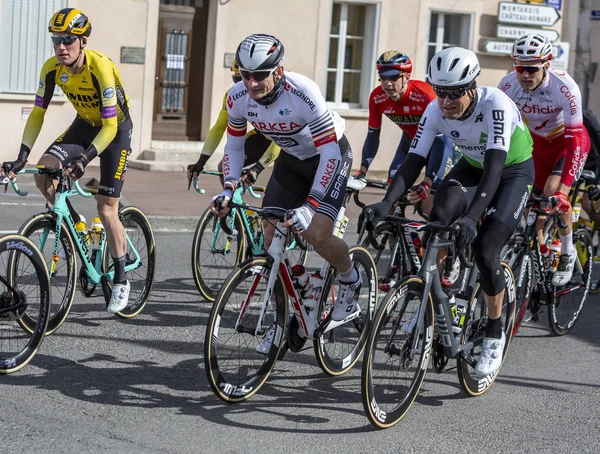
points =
(568, 300)
(214, 253)
(338, 349)
(397, 353)
(515, 257)
(24, 292)
(141, 238)
(595, 279)
(389, 260)
(474, 330)
(240, 349)
(41, 230)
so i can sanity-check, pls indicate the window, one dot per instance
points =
(446, 30)
(24, 42)
(351, 61)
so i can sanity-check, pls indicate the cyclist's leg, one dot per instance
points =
(399, 157)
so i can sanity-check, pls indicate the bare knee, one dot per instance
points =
(108, 210)
(319, 231)
(268, 232)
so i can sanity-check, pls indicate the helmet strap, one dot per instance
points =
(543, 79)
(471, 108)
(274, 94)
(72, 65)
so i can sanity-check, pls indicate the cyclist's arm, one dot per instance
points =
(214, 136)
(371, 144)
(575, 156)
(436, 156)
(233, 157)
(270, 155)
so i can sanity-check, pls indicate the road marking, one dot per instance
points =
(8, 232)
(23, 204)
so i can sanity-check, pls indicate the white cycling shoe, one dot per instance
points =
(347, 302)
(119, 298)
(490, 359)
(264, 345)
(564, 271)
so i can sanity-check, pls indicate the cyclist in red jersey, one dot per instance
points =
(403, 101)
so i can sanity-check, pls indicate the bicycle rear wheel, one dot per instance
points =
(141, 278)
(392, 372)
(24, 290)
(234, 368)
(41, 230)
(338, 349)
(595, 279)
(474, 329)
(214, 253)
(568, 301)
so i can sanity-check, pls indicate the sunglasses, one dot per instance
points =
(236, 79)
(392, 78)
(67, 40)
(527, 69)
(258, 76)
(452, 93)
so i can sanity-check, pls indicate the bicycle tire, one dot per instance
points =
(595, 279)
(64, 279)
(207, 285)
(522, 268)
(34, 280)
(386, 403)
(474, 327)
(224, 372)
(140, 279)
(567, 302)
(347, 341)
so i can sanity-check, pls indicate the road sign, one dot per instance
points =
(595, 14)
(497, 47)
(560, 56)
(555, 4)
(527, 14)
(508, 32)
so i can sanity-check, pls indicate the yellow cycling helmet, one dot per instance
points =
(70, 20)
(235, 68)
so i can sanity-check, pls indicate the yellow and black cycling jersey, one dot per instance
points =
(95, 92)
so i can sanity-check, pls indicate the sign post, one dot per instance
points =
(527, 14)
(508, 32)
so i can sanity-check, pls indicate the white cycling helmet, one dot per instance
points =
(259, 52)
(453, 67)
(532, 47)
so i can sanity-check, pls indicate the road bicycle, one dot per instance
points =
(57, 237)
(24, 298)
(257, 297)
(216, 250)
(533, 272)
(415, 322)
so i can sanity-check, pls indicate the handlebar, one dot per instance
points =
(44, 170)
(242, 185)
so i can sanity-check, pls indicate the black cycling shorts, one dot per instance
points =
(292, 179)
(113, 160)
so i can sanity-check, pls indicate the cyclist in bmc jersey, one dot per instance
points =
(311, 172)
(259, 151)
(550, 102)
(403, 101)
(91, 81)
(494, 176)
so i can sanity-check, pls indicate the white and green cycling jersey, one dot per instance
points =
(495, 123)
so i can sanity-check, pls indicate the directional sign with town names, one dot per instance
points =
(527, 14)
(498, 47)
(508, 32)
(560, 51)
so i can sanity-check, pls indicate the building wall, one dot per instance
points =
(115, 23)
(594, 39)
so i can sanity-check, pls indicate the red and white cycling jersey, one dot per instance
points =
(552, 111)
(299, 121)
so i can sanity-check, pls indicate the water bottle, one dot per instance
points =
(545, 251)
(315, 288)
(301, 277)
(417, 242)
(453, 307)
(81, 227)
(555, 248)
(461, 308)
(96, 230)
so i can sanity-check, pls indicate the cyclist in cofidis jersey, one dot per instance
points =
(493, 176)
(102, 127)
(259, 151)
(403, 101)
(551, 105)
(312, 170)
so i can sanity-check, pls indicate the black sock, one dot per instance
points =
(119, 270)
(493, 328)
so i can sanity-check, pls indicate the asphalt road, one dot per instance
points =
(102, 384)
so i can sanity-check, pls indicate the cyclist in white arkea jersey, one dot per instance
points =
(312, 170)
(551, 105)
(494, 176)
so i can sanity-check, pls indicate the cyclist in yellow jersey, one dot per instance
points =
(254, 148)
(102, 127)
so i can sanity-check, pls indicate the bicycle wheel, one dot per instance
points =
(140, 236)
(595, 279)
(395, 362)
(234, 368)
(567, 301)
(41, 230)
(24, 291)
(338, 349)
(215, 254)
(522, 268)
(387, 234)
(474, 329)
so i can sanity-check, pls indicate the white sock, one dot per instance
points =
(566, 244)
(349, 277)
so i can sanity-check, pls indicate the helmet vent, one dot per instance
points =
(453, 64)
(465, 72)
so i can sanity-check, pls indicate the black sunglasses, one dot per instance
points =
(392, 78)
(527, 69)
(256, 75)
(452, 93)
(236, 78)
(67, 40)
